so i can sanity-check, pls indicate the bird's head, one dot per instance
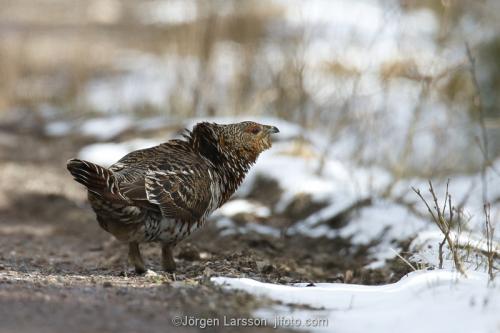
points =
(245, 140)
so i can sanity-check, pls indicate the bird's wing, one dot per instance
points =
(180, 194)
(130, 171)
(130, 181)
(163, 177)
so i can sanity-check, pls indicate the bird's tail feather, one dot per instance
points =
(95, 178)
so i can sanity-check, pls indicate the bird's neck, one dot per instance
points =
(231, 173)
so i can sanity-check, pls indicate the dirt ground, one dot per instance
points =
(60, 272)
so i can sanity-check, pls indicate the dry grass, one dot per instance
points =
(491, 251)
(445, 224)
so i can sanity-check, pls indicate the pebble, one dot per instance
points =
(208, 272)
(150, 273)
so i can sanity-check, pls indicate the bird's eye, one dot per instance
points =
(255, 130)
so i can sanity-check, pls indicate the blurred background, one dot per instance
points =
(371, 98)
(390, 78)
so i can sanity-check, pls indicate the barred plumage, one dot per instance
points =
(164, 193)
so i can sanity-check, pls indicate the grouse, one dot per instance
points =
(164, 193)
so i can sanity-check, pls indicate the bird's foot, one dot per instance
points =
(140, 270)
(169, 266)
(135, 258)
(167, 259)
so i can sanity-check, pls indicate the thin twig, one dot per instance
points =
(490, 231)
(444, 225)
(402, 258)
(478, 102)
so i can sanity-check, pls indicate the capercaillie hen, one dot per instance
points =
(164, 193)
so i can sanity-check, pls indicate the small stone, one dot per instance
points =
(339, 278)
(107, 284)
(149, 274)
(348, 276)
(265, 267)
(260, 264)
(205, 255)
(208, 272)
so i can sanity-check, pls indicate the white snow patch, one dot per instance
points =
(144, 79)
(106, 128)
(342, 14)
(470, 245)
(386, 220)
(228, 227)
(436, 297)
(381, 220)
(241, 206)
(58, 128)
(169, 12)
(106, 154)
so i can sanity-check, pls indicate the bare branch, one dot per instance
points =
(478, 102)
(444, 225)
(490, 231)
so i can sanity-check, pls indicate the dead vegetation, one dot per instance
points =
(491, 250)
(451, 222)
(443, 219)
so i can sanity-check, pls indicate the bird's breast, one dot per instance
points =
(172, 231)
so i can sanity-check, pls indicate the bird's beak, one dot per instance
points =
(272, 129)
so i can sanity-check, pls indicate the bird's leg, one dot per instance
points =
(167, 258)
(135, 258)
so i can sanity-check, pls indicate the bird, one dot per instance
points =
(164, 193)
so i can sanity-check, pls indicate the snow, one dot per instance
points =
(58, 128)
(465, 189)
(228, 227)
(106, 154)
(143, 80)
(169, 12)
(105, 128)
(240, 206)
(425, 249)
(364, 15)
(391, 220)
(423, 301)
